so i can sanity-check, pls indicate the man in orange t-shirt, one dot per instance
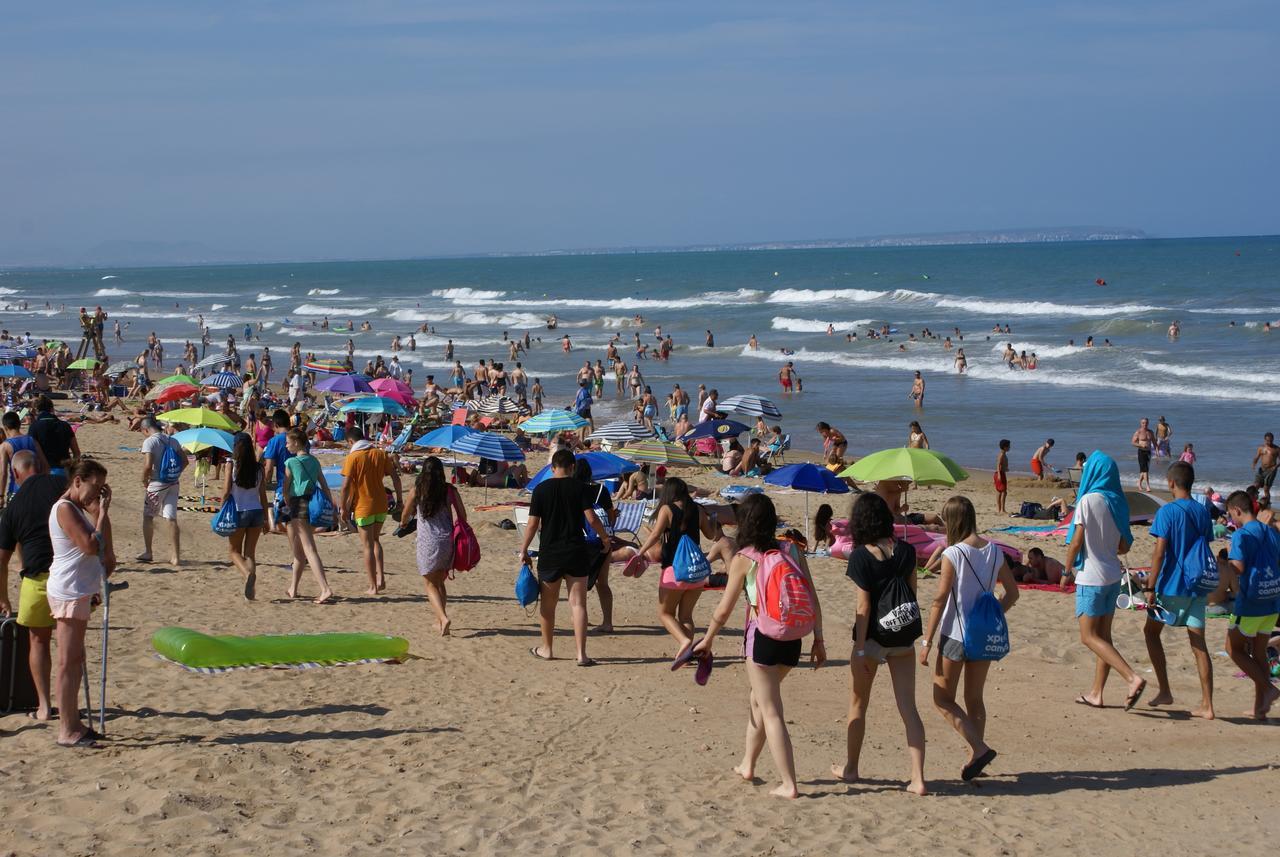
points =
(364, 498)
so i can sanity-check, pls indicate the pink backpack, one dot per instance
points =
(785, 597)
(466, 547)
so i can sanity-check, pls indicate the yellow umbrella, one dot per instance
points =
(198, 417)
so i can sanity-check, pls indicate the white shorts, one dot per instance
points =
(162, 503)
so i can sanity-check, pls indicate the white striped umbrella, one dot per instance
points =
(752, 406)
(621, 431)
(496, 405)
(224, 381)
(216, 360)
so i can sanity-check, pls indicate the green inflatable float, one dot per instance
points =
(201, 651)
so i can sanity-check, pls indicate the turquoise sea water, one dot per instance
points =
(1215, 384)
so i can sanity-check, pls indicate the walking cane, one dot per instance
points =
(107, 586)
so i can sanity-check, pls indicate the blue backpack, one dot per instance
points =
(1264, 577)
(689, 565)
(227, 519)
(1199, 567)
(170, 463)
(985, 631)
(320, 511)
(527, 587)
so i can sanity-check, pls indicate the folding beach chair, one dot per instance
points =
(522, 524)
(775, 453)
(631, 516)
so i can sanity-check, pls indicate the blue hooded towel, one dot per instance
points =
(1100, 475)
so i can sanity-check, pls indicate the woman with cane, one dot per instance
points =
(80, 530)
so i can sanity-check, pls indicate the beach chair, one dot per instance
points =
(631, 516)
(1073, 476)
(522, 524)
(775, 453)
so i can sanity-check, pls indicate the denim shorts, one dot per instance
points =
(1096, 600)
(247, 519)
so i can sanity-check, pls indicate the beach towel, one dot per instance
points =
(1100, 475)
(1049, 587)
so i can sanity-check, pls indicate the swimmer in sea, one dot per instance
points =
(565, 344)
(917, 390)
(961, 362)
(752, 344)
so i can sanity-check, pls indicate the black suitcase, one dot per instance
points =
(17, 691)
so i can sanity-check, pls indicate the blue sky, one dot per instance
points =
(384, 129)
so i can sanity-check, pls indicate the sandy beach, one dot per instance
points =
(473, 747)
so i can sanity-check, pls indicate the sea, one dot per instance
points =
(1215, 383)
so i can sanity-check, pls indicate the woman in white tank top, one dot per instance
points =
(970, 566)
(80, 531)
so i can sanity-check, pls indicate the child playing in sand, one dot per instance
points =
(1255, 560)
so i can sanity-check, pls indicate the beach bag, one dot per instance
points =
(227, 519)
(170, 463)
(984, 629)
(785, 598)
(339, 433)
(1029, 509)
(466, 547)
(320, 511)
(897, 612)
(1264, 576)
(1200, 575)
(527, 588)
(690, 564)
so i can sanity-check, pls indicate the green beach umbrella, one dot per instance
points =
(921, 466)
(198, 417)
(178, 379)
(84, 363)
(654, 451)
(53, 343)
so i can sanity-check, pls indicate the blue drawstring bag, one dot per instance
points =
(339, 433)
(527, 588)
(227, 519)
(985, 631)
(320, 512)
(170, 463)
(690, 564)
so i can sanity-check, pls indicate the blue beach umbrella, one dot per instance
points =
(488, 445)
(196, 439)
(809, 478)
(718, 429)
(604, 465)
(10, 370)
(376, 405)
(443, 437)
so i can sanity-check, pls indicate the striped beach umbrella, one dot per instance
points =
(552, 421)
(488, 445)
(654, 451)
(621, 431)
(375, 405)
(752, 406)
(326, 367)
(8, 352)
(224, 381)
(502, 405)
(216, 361)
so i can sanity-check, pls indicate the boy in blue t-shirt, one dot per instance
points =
(1183, 532)
(1255, 559)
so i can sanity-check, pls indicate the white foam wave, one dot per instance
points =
(1039, 349)
(810, 296)
(648, 304)
(109, 277)
(4, 291)
(111, 293)
(313, 292)
(1010, 309)
(318, 309)
(806, 325)
(1210, 373)
(264, 297)
(216, 307)
(464, 295)
(520, 320)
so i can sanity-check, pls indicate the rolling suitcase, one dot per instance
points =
(17, 692)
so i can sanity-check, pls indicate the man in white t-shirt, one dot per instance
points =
(161, 499)
(709, 411)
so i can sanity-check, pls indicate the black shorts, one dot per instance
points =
(1144, 461)
(298, 509)
(768, 652)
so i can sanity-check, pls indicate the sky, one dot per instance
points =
(386, 129)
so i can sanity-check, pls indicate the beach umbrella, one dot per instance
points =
(921, 466)
(555, 420)
(489, 445)
(604, 465)
(344, 384)
(375, 405)
(809, 478)
(752, 406)
(224, 381)
(443, 437)
(718, 429)
(173, 393)
(1142, 506)
(9, 370)
(216, 361)
(621, 431)
(198, 417)
(326, 367)
(54, 343)
(200, 439)
(178, 379)
(654, 451)
(8, 353)
(385, 386)
(24, 352)
(500, 405)
(84, 363)
(120, 367)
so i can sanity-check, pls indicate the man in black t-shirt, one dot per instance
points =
(557, 509)
(54, 436)
(25, 522)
